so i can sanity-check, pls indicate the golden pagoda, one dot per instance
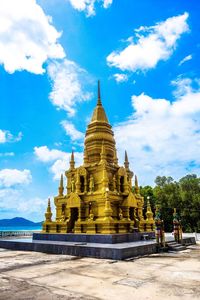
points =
(99, 197)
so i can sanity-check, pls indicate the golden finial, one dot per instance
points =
(72, 162)
(61, 187)
(137, 190)
(99, 94)
(126, 162)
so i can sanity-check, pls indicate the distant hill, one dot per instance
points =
(18, 222)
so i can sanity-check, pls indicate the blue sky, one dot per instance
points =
(146, 54)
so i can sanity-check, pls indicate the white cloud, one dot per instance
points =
(15, 199)
(189, 99)
(150, 45)
(88, 6)
(4, 154)
(187, 58)
(45, 155)
(162, 137)
(59, 167)
(58, 160)
(27, 38)
(13, 203)
(107, 3)
(120, 77)
(6, 136)
(11, 177)
(67, 78)
(71, 131)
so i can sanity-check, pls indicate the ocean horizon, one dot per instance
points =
(20, 228)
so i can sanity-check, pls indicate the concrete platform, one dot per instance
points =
(117, 251)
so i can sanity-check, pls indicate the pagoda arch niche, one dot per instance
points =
(129, 205)
(73, 201)
(74, 207)
(82, 173)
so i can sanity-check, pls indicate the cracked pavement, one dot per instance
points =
(33, 275)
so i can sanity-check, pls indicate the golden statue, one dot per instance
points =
(91, 184)
(99, 197)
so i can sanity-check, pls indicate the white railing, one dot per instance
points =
(16, 233)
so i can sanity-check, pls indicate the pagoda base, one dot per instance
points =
(94, 238)
(117, 251)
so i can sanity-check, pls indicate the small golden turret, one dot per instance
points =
(72, 161)
(48, 214)
(126, 162)
(149, 217)
(137, 190)
(149, 213)
(61, 186)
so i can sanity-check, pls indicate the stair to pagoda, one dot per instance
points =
(174, 246)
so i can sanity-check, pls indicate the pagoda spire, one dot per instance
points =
(72, 161)
(137, 190)
(61, 187)
(126, 162)
(99, 114)
(99, 94)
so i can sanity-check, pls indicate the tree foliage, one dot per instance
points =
(184, 195)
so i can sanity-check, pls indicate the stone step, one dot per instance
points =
(179, 248)
(175, 246)
(172, 243)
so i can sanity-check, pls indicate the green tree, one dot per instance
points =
(190, 194)
(147, 191)
(184, 195)
(167, 195)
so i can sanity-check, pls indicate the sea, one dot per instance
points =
(21, 228)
